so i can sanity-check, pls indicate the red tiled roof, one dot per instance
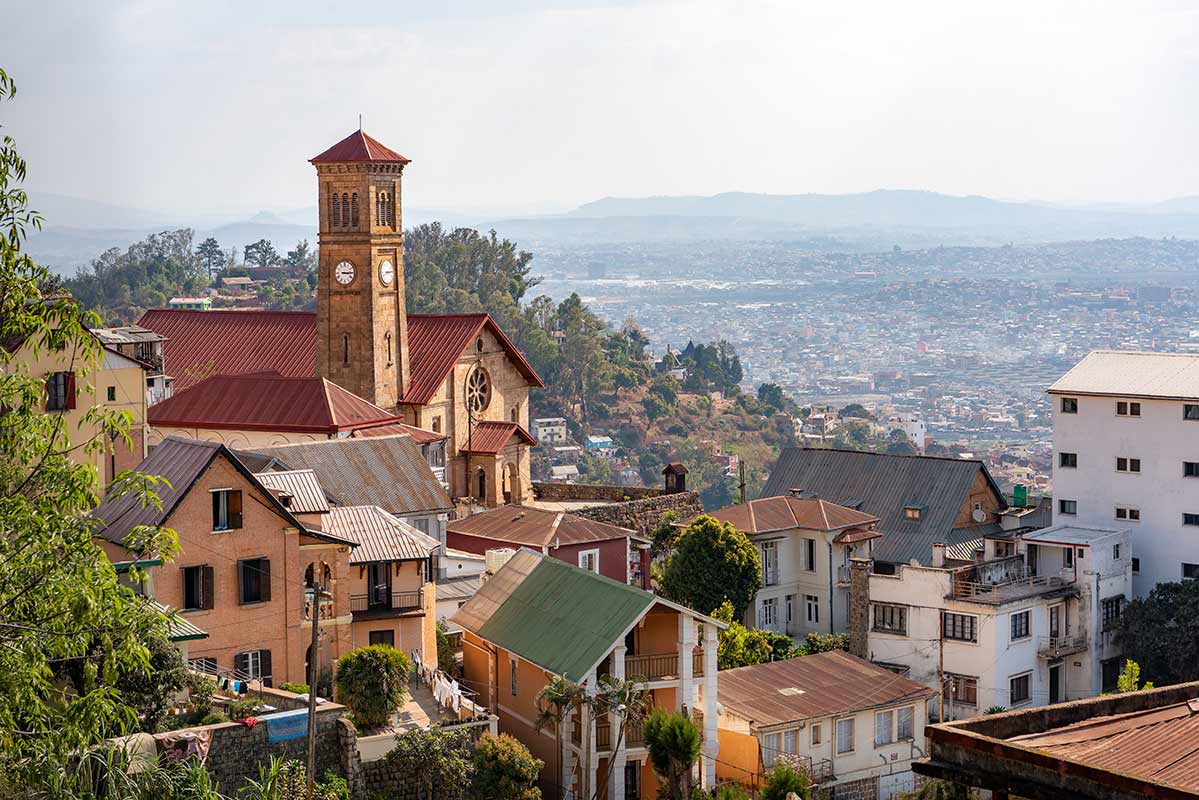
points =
(267, 401)
(358, 147)
(490, 438)
(536, 527)
(781, 513)
(229, 342)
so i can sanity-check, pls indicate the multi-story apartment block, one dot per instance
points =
(1126, 454)
(805, 546)
(550, 430)
(1012, 619)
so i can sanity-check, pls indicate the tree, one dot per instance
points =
(68, 627)
(150, 692)
(301, 260)
(771, 394)
(898, 444)
(713, 562)
(655, 408)
(261, 253)
(446, 661)
(673, 744)
(288, 780)
(555, 702)
(1130, 678)
(855, 410)
(739, 646)
(211, 256)
(373, 681)
(825, 642)
(1162, 629)
(439, 760)
(784, 779)
(505, 769)
(663, 538)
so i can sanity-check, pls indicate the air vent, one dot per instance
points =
(791, 691)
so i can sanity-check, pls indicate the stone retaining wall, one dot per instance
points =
(596, 492)
(644, 515)
(237, 751)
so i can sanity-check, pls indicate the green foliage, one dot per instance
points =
(664, 536)
(261, 253)
(994, 710)
(505, 769)
(333, 786)
(934, 789)
(301, 260)
(373, 681)
(856, 410)
(120, 285)
(771, 394)
(200, 689)
(713, 562)
(438, 760)
(214, 718)
(243, 709)
(824, 642)
(68, 629)
(1130, 678)
(295, 688)
(446, 661)
(673, 743)
(711, 367)
(783, 779)
(211, 256)
(1162, 630)
(288, 780)
(726, 791)
(150, 692)
(739, 646)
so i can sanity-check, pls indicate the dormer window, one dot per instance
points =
(913, 513)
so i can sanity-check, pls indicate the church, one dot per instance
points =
(454, 375)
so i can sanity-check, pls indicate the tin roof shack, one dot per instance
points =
(848, 723)
(1115, 747)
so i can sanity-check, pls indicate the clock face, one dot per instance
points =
(344, 273)
(386, 272)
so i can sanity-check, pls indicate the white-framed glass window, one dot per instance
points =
(809, 555)
(770, 749)
(789, 741)
(1019, 689)
(589, 560)
(770, 563)
(1020, 625)
(884, 726)
(905, 723)
(226, 509)
(790, 608)
(845, 742)
(813, 607)
(769, 612)
(891, 618)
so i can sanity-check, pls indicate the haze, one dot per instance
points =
(522, 107)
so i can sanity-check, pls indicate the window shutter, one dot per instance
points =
(206, 587)
(240, 665)
(70, 381)
(235, 509)
(264, 665)
(264, 567)
(51, 382)
(241, 582)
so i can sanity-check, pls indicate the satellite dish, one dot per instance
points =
(979, 515)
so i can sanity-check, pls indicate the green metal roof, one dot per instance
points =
(179, 628)
(559, 617)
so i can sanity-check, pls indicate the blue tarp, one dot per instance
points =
(286, 725)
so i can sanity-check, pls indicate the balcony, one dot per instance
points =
(325, 608)
(382, 599)
(843, 575)
(1001, 581)
(661, 666)
(605, 736)
(1058, 646)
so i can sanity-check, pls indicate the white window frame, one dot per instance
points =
(253, 662)
(884, 727)
(594, 555)
(910, 713)
(769, 554)
(809, 555)
(1027, 614)
(812, 606)
(852, 736)
(817, 734)
(771, 604)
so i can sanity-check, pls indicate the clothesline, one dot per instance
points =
(446, 691)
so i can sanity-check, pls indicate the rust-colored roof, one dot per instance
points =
(379, 535)
(783, 513)
(490, 438)
(855, 535)
(536, 527)
(359, 147)
(267, 401)
(1158, 744)
(419, 435)
(808, 687)
(228, 342)
(301, 486)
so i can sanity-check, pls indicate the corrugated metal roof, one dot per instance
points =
(461, 588)
(489, 438)
(1159, 744)
(228, 342)
(419, 435)
(307, 497)
(262, 401)
(783, 513)
(536, 527)
(1131, 373)
(385, 471)
(379, 535)
(882, 485)
(179, 627)
(559, 617)
(359, 147)
(126, 334)
(820, 685)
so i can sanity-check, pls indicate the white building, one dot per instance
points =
(1029, 620)
(913, 427)
(1126, 453)
(550, 430)
(805, 546)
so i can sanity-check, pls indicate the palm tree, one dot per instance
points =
(555, 701)
(673, 743)
(629, 700)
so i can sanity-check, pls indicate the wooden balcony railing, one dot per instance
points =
(387, 601)
(661, 666)
(605, 735)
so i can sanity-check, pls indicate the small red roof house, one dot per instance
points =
(615, 552)
(805, 545)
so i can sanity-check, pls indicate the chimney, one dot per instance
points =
(859, 606)
(939, 554)
(794, 491)
(643, 553)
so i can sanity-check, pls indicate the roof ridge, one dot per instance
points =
(913, 456)
(325, 384)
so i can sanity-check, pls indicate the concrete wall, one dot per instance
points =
(1162, 440)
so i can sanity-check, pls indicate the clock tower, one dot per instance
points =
(361, 324)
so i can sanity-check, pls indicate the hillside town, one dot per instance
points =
(334, 520)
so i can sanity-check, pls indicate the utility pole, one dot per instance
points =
(741, 485)
(318, 592)
(941, 676)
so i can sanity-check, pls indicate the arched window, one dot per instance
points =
(436, 424)
(334, 211)
(515, 414)
(345, 349)
(354, 210)
(387, 338)
(345, 209)
(482, 495)
(478, 390)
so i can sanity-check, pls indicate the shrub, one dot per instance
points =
(333, 787)
(214, 718)
(445, 654)
(505, 769)
(295, 688)
(781, 780)
(201, 689)
(372, 681)
(240, 709)
(438, 760)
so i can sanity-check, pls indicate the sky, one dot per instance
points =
(524, 107)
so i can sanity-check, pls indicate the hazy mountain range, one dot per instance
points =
(77, 230)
